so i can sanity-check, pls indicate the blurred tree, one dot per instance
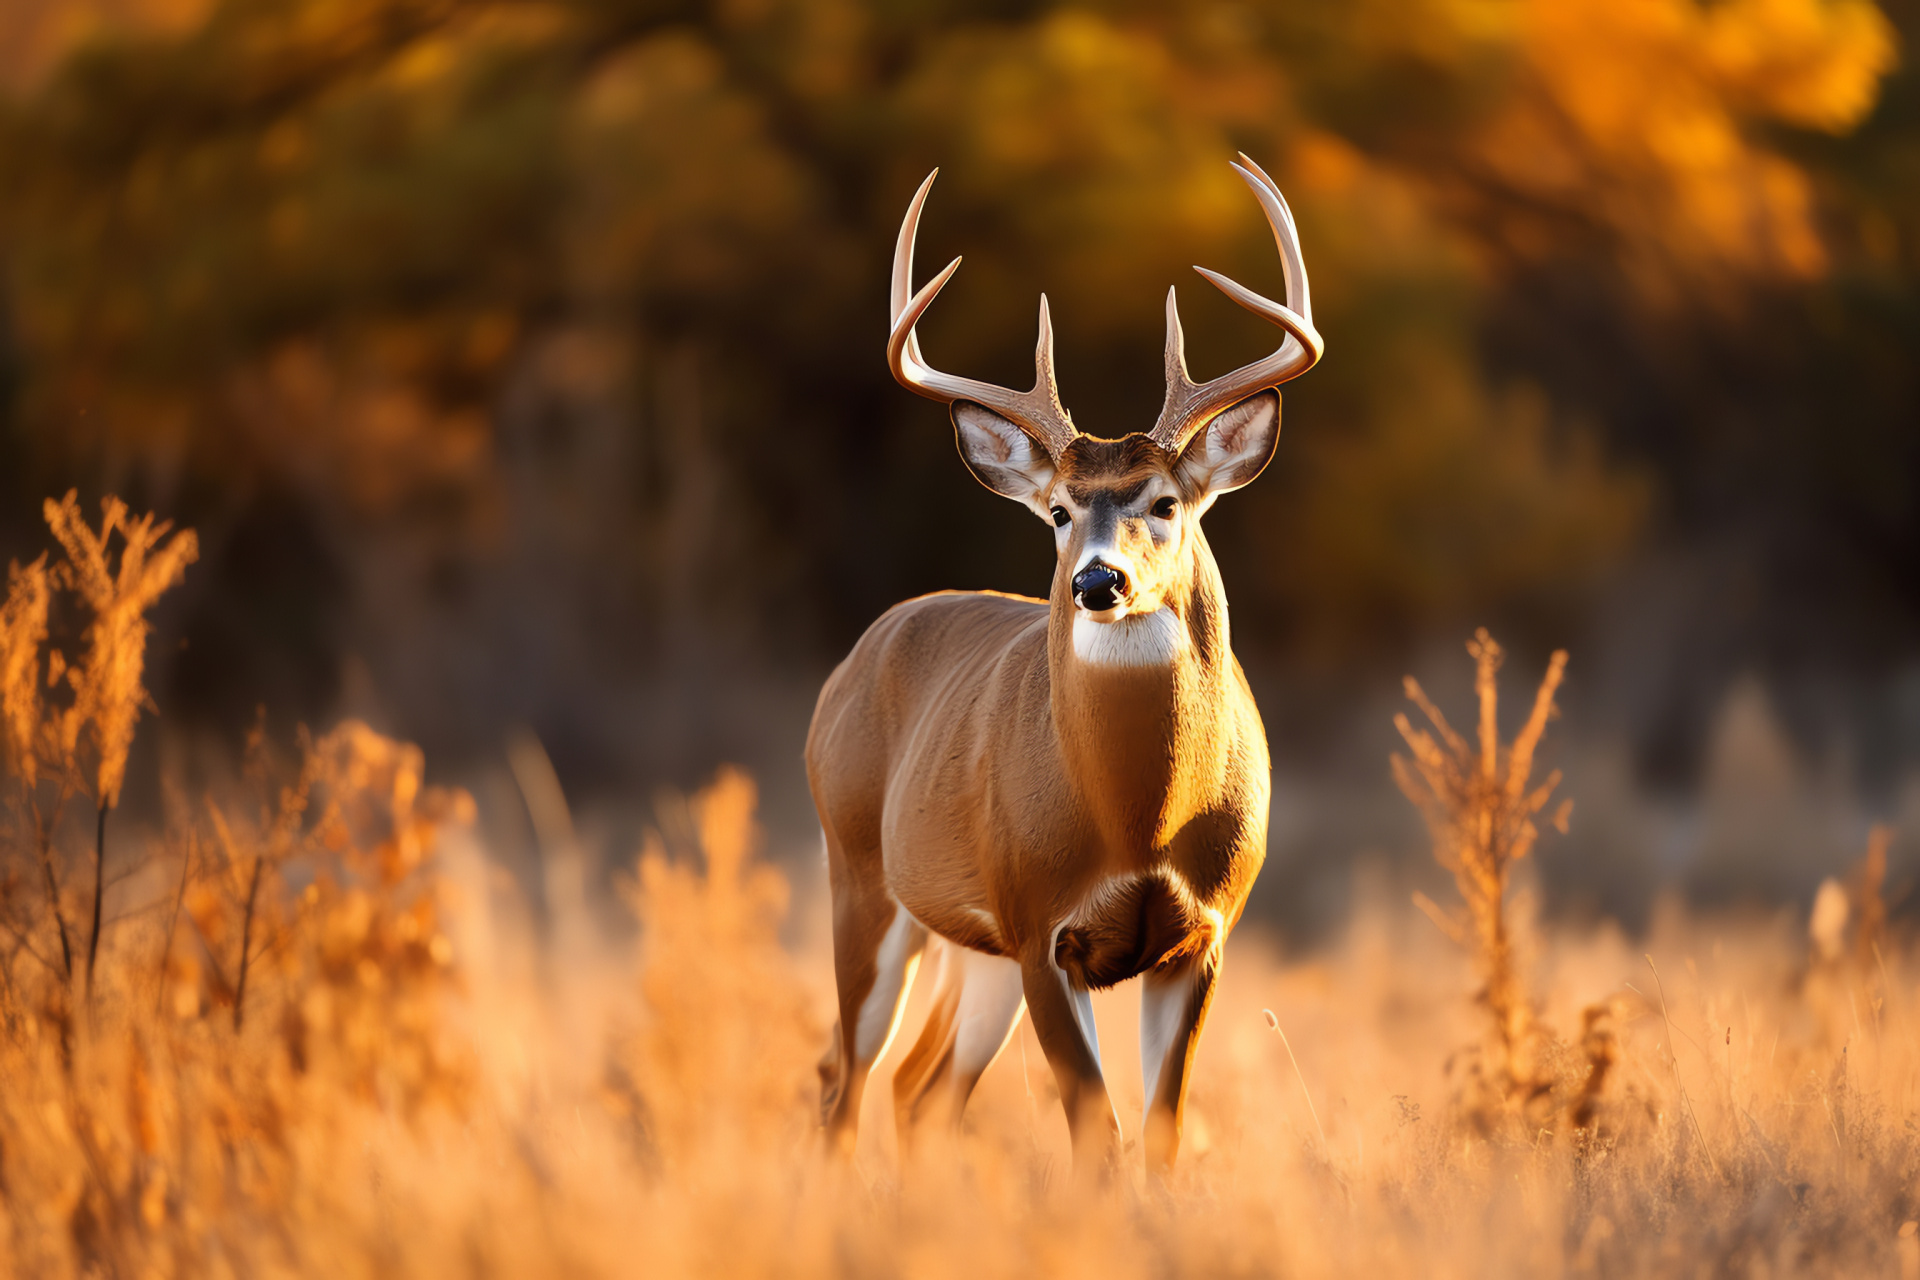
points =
(539, 344)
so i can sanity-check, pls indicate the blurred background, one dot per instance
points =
(521, 366)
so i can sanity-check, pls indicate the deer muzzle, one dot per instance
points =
(1099, 587)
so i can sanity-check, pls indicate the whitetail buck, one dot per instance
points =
(1069, 792)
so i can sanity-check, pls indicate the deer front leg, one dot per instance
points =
(1062, 1015)
(1174, 998)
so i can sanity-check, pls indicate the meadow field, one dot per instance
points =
(406, 860)
(308, 1026)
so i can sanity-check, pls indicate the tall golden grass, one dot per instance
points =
(324, 1039)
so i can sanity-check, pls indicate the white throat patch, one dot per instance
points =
(1137, 640)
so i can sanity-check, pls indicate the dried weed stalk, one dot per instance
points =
(108, 684)
(1479, 803)
(23, 732)
(107, 688)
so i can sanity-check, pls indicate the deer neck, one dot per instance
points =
(1140, 709)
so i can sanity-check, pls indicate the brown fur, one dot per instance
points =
(969, 766)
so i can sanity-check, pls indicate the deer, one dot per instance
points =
(1051, 797)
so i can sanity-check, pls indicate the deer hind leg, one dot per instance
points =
(933, 1050)
(876, 947)
(977, 1003)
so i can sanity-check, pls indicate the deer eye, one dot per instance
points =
(1060, 517)
(1164, 508)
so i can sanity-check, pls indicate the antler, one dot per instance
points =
(1190, 407)
(1037, 412)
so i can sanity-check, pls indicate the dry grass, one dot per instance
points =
(405, 1082)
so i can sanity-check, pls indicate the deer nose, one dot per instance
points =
(1099, 586)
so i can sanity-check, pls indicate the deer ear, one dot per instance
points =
(1233, 448)
(1003, 457)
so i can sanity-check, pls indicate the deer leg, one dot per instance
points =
(1063, 1021)
(991, 1002)
(932, 1052)
(976, 1007)
(1174, 998)
(876, 947)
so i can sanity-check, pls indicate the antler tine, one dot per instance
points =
(1190, 406)
(901, 292)
(1043, 370)
(1177, 375)
(1292, 269)
(1037, 412)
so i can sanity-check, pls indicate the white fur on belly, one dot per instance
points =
(1137, 640)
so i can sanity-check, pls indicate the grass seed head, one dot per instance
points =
(107, 686)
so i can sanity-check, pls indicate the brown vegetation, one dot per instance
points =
(323, 1041)
(1479, 803)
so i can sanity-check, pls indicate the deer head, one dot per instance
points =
(1125, 512)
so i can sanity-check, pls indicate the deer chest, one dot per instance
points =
(1126, 926)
